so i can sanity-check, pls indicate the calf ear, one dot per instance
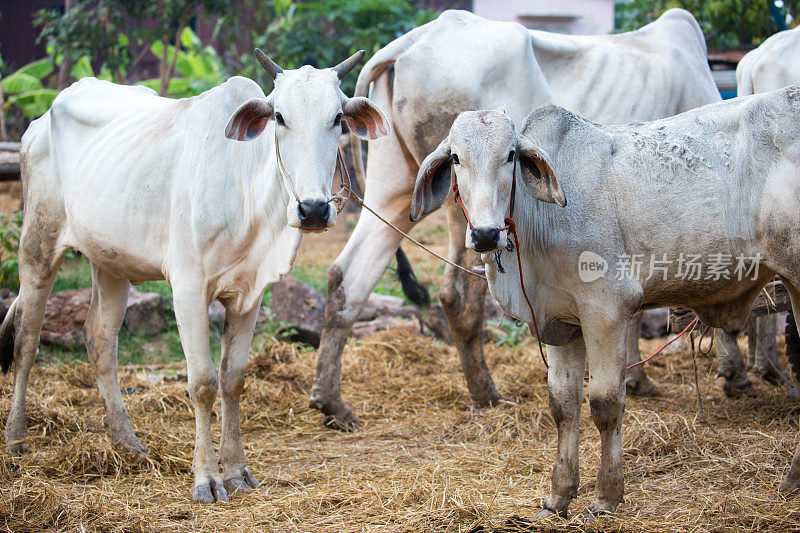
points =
(433, 182)
(249, 120)
(538, 174)
(364, 119)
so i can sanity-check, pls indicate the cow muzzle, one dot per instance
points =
(313, 215)
(485, 239)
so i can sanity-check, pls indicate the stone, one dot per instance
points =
(147, 312)
(64, 317)
(216, 313)
(365, 329)
(300, 307)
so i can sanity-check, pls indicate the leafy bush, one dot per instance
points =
(10, 227)
(25, 88)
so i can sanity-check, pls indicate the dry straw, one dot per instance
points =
(423, 462)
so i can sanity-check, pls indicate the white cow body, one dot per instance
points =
(151, 188)
(461, 62)
(721, 179)
(216, 219)
(774, 64)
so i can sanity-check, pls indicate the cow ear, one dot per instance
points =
(249, 120)
(364, 119)
(538, 174)
(433, 182)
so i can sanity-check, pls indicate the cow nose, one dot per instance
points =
(313, 215)
(485, 240)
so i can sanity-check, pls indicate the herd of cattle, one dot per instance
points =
(613, 155)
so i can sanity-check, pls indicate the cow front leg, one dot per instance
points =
(636, 381)
(605, 348)
(565, 383)
(463, 300)
(764, 349)
(236, 338)
(191, 312)
(103, 320)
(351, 279)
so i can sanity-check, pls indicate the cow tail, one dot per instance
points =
(412, 288)
(7, 335)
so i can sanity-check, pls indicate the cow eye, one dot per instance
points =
(511, 155)
(455, 159)
(337, 120)
(279, 119)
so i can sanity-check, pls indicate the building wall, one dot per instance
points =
(565, 16)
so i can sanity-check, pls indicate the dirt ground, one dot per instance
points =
(423, 461)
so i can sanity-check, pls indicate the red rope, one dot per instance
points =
(673, 339)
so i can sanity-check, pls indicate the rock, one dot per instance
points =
(64, 317)
(216, 313)
(365, 329)
(385, 305)
(147, 312)
(299, 306)
(655, 323)
(492, 311)
(6, 299)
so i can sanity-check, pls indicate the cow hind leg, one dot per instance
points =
(236, 338)
(765, 351)
(792, 480)
(39, 260)
(730, 364)
(103, 320)
(636, 381)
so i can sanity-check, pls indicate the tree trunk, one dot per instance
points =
(3, 132)
(66, 60)
(169, 69)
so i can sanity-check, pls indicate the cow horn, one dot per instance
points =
(269, 65)
(347, 65)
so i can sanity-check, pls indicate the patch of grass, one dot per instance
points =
(75, 273)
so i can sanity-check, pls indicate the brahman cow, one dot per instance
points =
(460, 62)
(653, 212)
(150, 188)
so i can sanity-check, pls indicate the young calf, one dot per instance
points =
(150, 188)
(647, 216)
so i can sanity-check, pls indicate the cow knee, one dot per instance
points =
(606, 410)
(232, 384)
(203, 388)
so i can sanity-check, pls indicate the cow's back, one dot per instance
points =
(122, 161)
(774, 64)
(462, 62)
(647, 74)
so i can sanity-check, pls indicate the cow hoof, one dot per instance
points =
(769, 375)
(209, 492)
(132, 447)
(244, 480)
(735, 389)
(493, 400)
(642, 387)
(345, 421)
(19, 447)
(790, 484)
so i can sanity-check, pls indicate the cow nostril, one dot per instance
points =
(313, 215)
(485, 240)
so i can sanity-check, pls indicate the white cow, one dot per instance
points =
(460, 62)
(774, 64)
(721, 181)
(150, 188)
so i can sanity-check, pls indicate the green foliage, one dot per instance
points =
(324, 33)
(725, 23)
(25, 88)
(10, 227)
(200, 67)
(511, 334)
(89, 28)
